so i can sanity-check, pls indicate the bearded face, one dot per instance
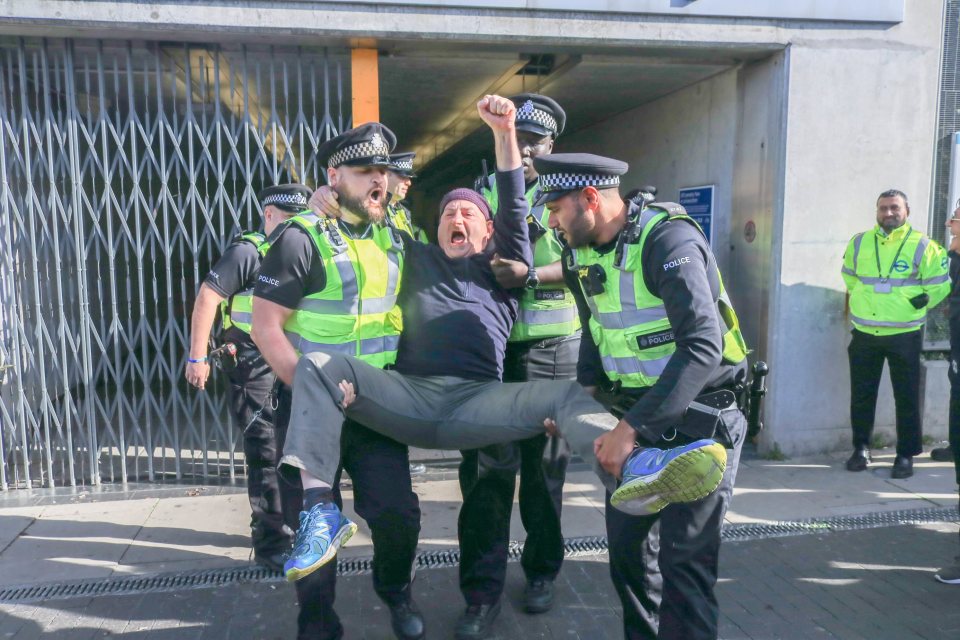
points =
(362, 191)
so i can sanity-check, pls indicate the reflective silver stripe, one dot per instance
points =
(348, 276)
(393, 273)
(893, 282)
(547, 316)
(857, 239)
(616, 320)
(330, 307)
(918, 254)
(632, 365)
(937, 279)
(369, 346)
(372, 346)
(895, 325)
(303, 345)
(849, 272)
(244, 317)
(378, 305)
(628, 295)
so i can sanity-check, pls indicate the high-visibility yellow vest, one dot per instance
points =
(628, 323)
(237, 310)
(400, 218)
(883, 271)
(548, 311)
(356, 313)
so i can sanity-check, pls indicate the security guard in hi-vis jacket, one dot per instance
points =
(332, 285)
(229, 286)
(543, 345)
(893, 274)
(662, 338)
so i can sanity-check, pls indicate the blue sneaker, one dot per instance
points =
(654, 478)
(323, 530)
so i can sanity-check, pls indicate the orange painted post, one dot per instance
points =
(365, 80)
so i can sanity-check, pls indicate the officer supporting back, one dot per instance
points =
(662, 335)
(543, 345)
(229, 286)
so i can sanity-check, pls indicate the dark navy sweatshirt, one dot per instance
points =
(456, 318)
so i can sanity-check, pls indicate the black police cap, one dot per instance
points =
(289, 197)
(367, 145)
(539, 114)
(402, 163)
(564, 172)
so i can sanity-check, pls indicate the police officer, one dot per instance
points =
(663, 340)
(229, 286)
(332, 285)
(893, 274)
(543, 345)
(400, 176)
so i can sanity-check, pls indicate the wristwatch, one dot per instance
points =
(533, 280)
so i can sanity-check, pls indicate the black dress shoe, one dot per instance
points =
(273, 561)
(859, 460)
(475, 623)
(941, 454)
(407, 621)
(902, 467)
(538, 595)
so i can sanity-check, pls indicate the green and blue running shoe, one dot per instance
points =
(654, 478)
(323, 530)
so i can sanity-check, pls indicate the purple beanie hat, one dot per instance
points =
(470, 196)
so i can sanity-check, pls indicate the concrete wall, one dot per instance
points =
(861, 118)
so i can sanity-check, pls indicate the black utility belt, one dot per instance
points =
(543, 343)
(704, 418)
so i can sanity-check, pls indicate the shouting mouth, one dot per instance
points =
(458, 238)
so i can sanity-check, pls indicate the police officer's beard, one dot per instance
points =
(358, 206)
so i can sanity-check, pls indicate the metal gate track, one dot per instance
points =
(574, 547)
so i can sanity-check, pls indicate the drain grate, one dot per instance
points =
(574, 547)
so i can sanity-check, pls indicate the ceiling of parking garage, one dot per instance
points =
(427, 96)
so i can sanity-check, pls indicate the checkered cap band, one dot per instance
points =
(569, 181)
(530, 113)
(402, 165)
(295, 199)
(372, 148)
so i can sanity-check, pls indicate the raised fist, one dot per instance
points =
(497, 112)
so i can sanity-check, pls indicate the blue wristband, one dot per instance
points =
(197, 360)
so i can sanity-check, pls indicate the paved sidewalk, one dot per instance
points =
(873, 583)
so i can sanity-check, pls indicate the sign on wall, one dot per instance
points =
(698, 201)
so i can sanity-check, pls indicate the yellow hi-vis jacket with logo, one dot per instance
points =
(237, 310)
(356, 313)
(884, 271)
(549, 311)
(629, 324)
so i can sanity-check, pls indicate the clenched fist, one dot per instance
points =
(498, 112)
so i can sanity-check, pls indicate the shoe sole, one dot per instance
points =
(346, 532)
(689, 477)
(946, 580)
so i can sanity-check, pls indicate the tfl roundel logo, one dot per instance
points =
(900, 266)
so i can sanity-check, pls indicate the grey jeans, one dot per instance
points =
(434, 412)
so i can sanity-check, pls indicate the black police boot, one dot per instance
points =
(271, 560)
(406, 620)
(902, 467)
(942, 454)
(475, 623)
(859, 460)
(538, 595)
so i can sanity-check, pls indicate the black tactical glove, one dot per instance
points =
(920, 301)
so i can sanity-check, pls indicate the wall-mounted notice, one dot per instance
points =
(698, 201)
